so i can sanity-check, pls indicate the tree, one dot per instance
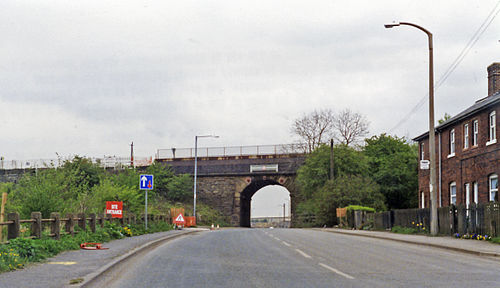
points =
(445, 117)
(393, 165)
(314, 173)
(350, 127)
(314, 128)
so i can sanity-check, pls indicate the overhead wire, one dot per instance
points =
(475, 37)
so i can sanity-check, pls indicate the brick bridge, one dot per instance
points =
(228, 177)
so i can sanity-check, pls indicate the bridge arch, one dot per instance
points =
(244, 198)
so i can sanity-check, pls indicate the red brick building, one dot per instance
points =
(467, 152)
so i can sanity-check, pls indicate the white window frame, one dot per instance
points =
(492, 190)
(422, 151)
(452, 143)
(466, 136)
(475, 191)
(453, 197)
(475, 137)
(492, 128)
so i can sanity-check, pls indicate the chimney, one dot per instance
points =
(493, 78)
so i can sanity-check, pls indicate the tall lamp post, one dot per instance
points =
(432, 141)
(196, 167)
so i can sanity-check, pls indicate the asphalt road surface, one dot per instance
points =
(300, 258)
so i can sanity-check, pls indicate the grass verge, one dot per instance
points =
(21, 251)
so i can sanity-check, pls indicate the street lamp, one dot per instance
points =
(196, 167)
(432, 141)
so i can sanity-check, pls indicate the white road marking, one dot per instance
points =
(277, 238)
(286, 244)
(336, 271)
(303, 254)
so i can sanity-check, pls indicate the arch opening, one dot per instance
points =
(268, 205)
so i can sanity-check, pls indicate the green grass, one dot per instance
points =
(495, 240)
(404, 230)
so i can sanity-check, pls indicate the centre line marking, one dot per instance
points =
(336, 271)
(286, 244)
(303, 254)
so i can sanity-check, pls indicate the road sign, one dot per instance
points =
(425, 164)
(146, 182)
(179, 219)
(115, 208)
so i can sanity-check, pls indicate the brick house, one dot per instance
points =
(467, 152)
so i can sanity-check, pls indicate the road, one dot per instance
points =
(300, 258)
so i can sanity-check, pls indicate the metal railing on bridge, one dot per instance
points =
(232, 151)
(104, 162)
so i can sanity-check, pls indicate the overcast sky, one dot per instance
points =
(89, 77)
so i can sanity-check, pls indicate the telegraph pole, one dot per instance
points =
(331, 159)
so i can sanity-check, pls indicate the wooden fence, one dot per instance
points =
(68, 223)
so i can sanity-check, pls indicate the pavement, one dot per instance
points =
(475, 247)
(83, 266)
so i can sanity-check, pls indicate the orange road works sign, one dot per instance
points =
(179, 219)
(115, 208)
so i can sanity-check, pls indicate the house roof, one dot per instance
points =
(480, 105)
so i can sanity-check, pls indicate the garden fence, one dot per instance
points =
(482, 219)
(68, 223)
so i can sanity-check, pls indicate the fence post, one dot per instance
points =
(82, 221)
(13, 229)
(134, 219)
(92, 222)
(36, 227)
(101, 220)
(70, 224)
(55, 228)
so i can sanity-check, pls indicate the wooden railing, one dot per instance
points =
(68, 223)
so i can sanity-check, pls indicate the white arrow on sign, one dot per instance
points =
(143, 180)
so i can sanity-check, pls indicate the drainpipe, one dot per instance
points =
(439, 180)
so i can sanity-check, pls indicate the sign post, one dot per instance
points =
(146, 183)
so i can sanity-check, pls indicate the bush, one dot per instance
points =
(403, 230)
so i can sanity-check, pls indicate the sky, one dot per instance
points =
(89, 77)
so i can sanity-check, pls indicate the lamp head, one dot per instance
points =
(390, 25)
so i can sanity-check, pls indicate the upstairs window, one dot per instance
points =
(475, 127)
(453, 193)
(466, 136)
(493, 183)
(452, 143)
(493, 128)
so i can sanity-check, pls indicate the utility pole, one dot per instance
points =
(331, 159)
(132, 154)
(284, 217)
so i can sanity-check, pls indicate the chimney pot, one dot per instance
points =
(493, 78)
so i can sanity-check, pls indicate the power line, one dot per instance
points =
(479, 32)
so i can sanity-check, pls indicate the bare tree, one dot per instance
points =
(350, 127)
(314, 128)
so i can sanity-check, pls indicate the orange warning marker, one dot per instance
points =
(92, 246)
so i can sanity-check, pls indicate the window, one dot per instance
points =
(453, 193)
(493, 183)
(493, 129)
(476, 132)
(466, 136)
(475, 192)
(422, 152)
(452, 143)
